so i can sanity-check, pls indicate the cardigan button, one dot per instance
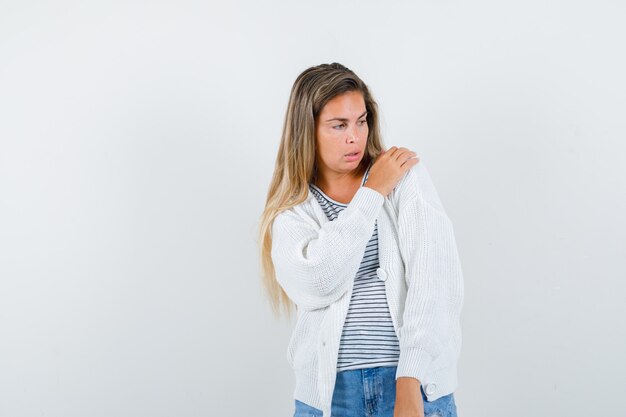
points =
(431, 388)
(382, 275)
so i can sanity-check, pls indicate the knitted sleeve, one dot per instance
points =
(433, 274)
(315, 265)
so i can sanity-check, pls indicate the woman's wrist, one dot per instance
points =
(408, 381)
(407, 386)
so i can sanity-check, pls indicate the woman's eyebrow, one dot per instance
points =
(343, 119)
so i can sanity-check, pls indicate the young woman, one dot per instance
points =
(356, 237)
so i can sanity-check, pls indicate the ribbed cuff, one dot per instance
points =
(413, 362)
(369, 201)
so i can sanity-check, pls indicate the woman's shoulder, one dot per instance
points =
(417, 183)
(302, 212)
(413, 179)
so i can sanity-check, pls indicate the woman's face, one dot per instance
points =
(341, 129)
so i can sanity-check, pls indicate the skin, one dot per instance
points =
(340, 179)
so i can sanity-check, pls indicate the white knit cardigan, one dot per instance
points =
(316, 260)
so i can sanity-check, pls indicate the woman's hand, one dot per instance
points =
(409, 401)
(389, 167)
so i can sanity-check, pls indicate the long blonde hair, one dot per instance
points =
(295, 165)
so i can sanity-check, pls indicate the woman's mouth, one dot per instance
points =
(352, 156)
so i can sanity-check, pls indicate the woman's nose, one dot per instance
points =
(352, 135)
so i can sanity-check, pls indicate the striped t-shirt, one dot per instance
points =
(368, 338)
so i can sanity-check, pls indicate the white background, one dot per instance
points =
(137, 141)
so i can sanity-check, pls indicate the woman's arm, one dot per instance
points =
(408, 402)
(433, 274)
(316, 265)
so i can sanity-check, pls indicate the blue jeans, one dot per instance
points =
(371, 392)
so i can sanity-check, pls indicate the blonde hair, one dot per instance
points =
(295, 165)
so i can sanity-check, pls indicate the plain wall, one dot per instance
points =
(138, 139)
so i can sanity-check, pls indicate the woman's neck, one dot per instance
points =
(340, 182)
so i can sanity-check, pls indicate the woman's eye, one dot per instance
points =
(341, 125)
